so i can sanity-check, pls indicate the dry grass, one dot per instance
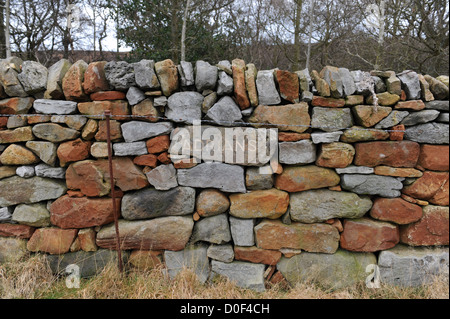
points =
(32, 279)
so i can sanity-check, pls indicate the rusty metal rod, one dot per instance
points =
(113, 193)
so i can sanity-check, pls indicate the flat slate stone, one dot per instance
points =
(225, 177)
(430, 133)
(245, 275)
(293, 153)
(151, 203)
(412, 266)
(137, 131)
(317, 206)
(383, 186)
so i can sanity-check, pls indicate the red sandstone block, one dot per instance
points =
(395, 154)
(434, 157)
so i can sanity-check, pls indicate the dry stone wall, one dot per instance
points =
(360, 175)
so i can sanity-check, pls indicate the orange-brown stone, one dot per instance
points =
(257, 255)
(149, 160)
(289, 86)
(72, 83)
(298, 179)
(397, 133)
(396, 210)
(98, 108)
(70, 212)
(434, 157)
(431, 230)
(416, 105)
(432, 187)
(115, 131)
(16, 230)
(108, 96)
(367, 235)
(240, 89)
(327, 102)
(395, 154)
(54, 241)
(270, 204)
(95, 79)
(336, 155)
(211, 202)
(73, 151)
(158, 144)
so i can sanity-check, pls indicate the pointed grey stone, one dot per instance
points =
(214, 230)
(205, 76)
(46, 151)
(120, 75)
(267, 90)
(319, 138)
(33, 77)
(225, 112)
(225, 84)
(347, 81)
(393, 119)
(185, 107)
(430, 133)
(223, 253)
(130, 149)
(163, 177)
(137, 131)
(186, 71)
(135, 96)
(411, 84)
(242, 231)
(145, 75)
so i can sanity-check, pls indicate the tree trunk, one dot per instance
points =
(297, 35)
(7, 37)
(183, 31)
(308, 55)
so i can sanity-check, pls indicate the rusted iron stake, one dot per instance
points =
(113, 193)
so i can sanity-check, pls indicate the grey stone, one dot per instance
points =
(305, 80)
(333, 79)
(307, 96)
(247, 112)
(242, 231)
(56, 74)
(90, 263)
(44, 170)
(75, 122)
(394, 85)
(223, 253)
(380, 86)
(225, 112)
(9, 71)
(46, 151)
(55, 107)
(225, 84)
(6, 214)
(29, 191)
(420, 117)
(443, 118)
(336, 271)
(317, 206)
(186, 71)
(120, 75)
(160, 101)
(25, 171)
(16, 121)
(326, 138)
(355, 170)
(243, 274)
(412, 266)
(209, 101)
(267, 90)
(393, 119)
(34, 215)
(214, 230)
(225, 66)
(383, 186)
(430, 133)
(185, 107)
(347, 81)
(135, 96)
(254, 180)
(225, 177)
(438, 105)
(293, 153)
(137, 131)
(364, 82)
(205, 76)
(330, 119)
(411, 84)
(33, 77)
(130, 149)
(12, 249)
(54, 133)
(193, 257)
(151, 203)
(145, 75)
(163, 177)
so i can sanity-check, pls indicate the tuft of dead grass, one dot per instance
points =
(32, 279)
